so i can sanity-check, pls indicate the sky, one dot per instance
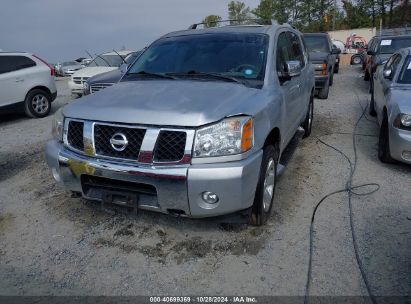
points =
(61, 30)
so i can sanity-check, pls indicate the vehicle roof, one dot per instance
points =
(120, 52)
(392, 37)
(315, 34)
(257, 29)
(13, 52)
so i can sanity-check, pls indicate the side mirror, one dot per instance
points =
(371, 53)
(124, 68)
(292, 68)
(387, 74)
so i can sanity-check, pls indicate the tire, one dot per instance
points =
(331, 79)
(308, 122)
(323, 93)
(371, 87)
(263, 202)
(372, 105)
(37, 103)
(384, 143)
(356, 60)
(336, 69)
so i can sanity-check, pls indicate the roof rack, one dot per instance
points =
(257, 21)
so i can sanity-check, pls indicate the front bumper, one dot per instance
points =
(400, 145)
(177, 188)
(75, 88)
(321, 81)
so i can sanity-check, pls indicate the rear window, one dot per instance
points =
(10, 63)
(391, 45)
(317, 43)
(405, 75)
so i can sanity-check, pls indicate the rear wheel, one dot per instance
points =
(264, 195)
(308, 122)
(331, 79)
(384, 143)
(323, 93)
(37, 103)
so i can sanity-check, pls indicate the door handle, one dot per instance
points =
(19, 79)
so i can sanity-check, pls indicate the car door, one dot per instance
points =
(290, 88)
(382, 84)
(13, 77)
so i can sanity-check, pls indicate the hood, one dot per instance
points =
(91, 71)
(72, 67)
(319, 57)
(184, 103)
(107, 77)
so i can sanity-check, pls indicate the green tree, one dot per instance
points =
(211, 21)
(238, 11)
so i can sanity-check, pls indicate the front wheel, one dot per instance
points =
(37, 103)
(323, 93)
(264, 195)
(384, 143)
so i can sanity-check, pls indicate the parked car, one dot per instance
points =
(391, 102)
(26, 83)
(104, 80)
(100, 64)
(68, 68)
(85, 62)
(323, 56)
(367, 58)
(382, 49)
(196, 127)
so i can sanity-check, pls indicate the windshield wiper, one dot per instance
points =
(144, 73)
(206, 75)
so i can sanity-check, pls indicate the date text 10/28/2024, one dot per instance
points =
(236, 299)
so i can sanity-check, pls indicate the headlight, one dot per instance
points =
(58, 125)
(230, 136)
(405, 120)
(86, 88)
(320, 68)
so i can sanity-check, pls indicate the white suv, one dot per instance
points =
(26, 82)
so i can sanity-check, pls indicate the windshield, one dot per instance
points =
(107, 60)
(236, 55)
(70, 63)
(317, 43)
(390, 46)
(405, 75)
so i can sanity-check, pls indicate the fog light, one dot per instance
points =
(406, 155)
(210, 197)
(56, 174)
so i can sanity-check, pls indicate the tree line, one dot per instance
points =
(321, 15)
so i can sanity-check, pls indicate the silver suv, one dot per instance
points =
(196, 127)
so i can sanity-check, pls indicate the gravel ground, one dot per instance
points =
(51, 244)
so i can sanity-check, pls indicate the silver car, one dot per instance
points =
(68, 68)
(391, 102)
(196, 127)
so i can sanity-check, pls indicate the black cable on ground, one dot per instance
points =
(349, 188)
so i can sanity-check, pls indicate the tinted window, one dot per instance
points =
(297, 49)
(14, 63)
(283, 51)
(391, 45)
(239, 55)
(405, 74)
(317, 43)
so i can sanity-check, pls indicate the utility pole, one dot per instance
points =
(334, 14)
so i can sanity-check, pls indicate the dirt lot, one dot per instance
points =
(51, 244)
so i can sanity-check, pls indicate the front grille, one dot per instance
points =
(103, 134)
(170, 146)
(99, 86)
(80, 80)
(75, 135)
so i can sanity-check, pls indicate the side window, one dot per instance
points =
(297, 49)
(14, 63)
(283, 51)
